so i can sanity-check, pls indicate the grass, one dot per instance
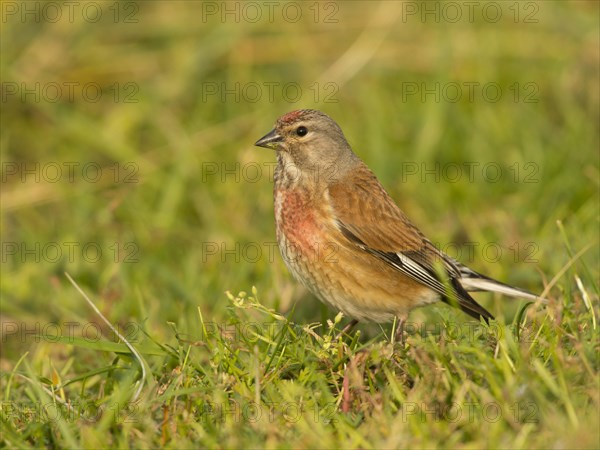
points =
(166, 223)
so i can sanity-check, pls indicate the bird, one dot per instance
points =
(345, 239)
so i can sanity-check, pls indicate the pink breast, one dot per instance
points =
(296, 218)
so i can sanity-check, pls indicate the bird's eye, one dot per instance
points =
(301, 131)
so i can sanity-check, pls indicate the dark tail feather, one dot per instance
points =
(467, 304)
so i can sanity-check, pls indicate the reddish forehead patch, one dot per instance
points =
(292, 116)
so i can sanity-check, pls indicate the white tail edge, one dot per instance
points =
(483, 284)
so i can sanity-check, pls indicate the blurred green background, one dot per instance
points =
(127, 158)
(129, 128)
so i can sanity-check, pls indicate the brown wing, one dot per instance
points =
(368, 217)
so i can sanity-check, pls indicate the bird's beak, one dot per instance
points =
(269, 140)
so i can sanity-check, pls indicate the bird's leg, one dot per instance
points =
(347, 328)
(399, 335)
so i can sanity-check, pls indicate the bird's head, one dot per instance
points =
(310, 141)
